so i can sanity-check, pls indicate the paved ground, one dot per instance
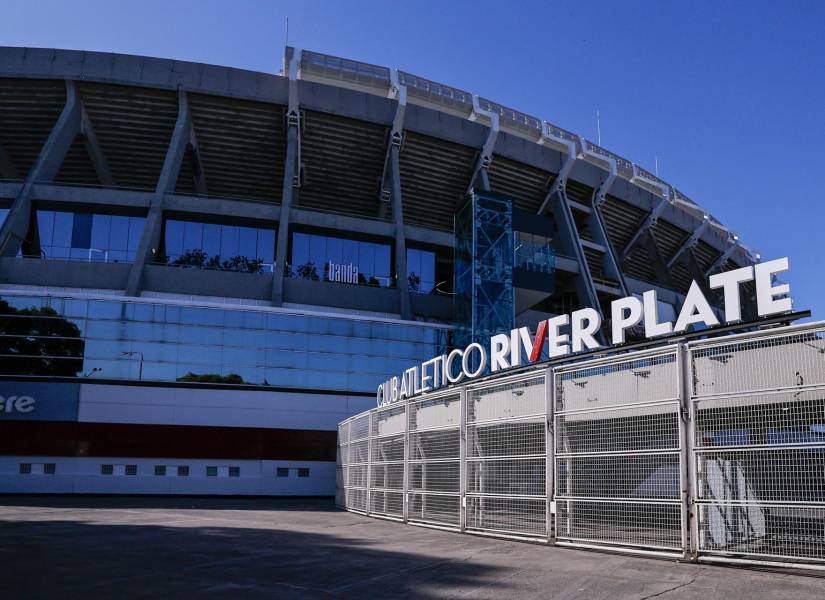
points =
(161, 547)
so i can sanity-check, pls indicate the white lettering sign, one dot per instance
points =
(19, 404)
(505, 350)
(342, 273)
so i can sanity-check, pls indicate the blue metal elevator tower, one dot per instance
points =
(484, 301)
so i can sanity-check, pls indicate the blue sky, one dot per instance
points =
(729, 96)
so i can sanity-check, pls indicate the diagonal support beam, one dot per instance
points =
(99, 162)
(394, 151)
(396, 137)
(8, 170)
(197, 166)
(690, 242)
(654, 256)
(596, 220)
(724, 257)
(292, 60)
(485, 155)
(651, 219)
(152, 227)
(571, 242)
(16, 226)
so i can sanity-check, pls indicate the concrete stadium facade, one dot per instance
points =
(204, 269)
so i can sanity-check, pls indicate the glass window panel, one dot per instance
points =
(366, 260)
(174, 238)
(248, 242)
(135, 231)
(300, 250)
(105, 310)
(349, 252)
(192, 236)
(211, 240)
(382, 262)
(45, 226)
(119, 238)
(266, 245)
(101, 226)
(335, 251)
(62, 236)
(317, 250)
(229, 241)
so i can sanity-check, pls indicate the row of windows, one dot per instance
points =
(212, 246)
(334, 354)
(85, 312)
(88, 236)
(328, 258)
(160, 470)
(99, 237)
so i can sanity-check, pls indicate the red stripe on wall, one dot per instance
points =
(45, 438)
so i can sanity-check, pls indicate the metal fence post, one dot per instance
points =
(550, 452)
(693, 482)
(462, 469)
(406, 486)
(685, 453)
(368, 484)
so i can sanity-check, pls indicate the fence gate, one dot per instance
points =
(506, 434)
(618, 433)
(358, 454)
(387, 442)
(434, 460)
(758, 415)
(341, 451)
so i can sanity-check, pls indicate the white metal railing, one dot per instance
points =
(711, 450)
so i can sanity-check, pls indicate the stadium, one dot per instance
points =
(203, 270)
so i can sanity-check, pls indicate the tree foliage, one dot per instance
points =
(38, 341)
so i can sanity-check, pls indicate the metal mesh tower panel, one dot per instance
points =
(387, 452)
(484, 301)
(758, 413)
(434, 463)
(618, 440)
(506, 436)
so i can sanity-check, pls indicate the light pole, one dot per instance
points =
(140, 370)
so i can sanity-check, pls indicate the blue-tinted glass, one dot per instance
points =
(335, 250)
(174, 238)
(211, 240)
(349, 252)
(192, 236)
(382, 261)
(82, 230)
(45, 226)
(135, 231)
(300, 249)
(4, 212)
(266, 245)
(101, 226)
(366, 260)
(229, 241)
(317, 250)
(247, 242)
(62, 236)
(119, 237)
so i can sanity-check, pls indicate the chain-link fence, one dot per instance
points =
(711, 450)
